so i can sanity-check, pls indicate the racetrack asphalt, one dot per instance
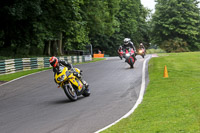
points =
(34, 104)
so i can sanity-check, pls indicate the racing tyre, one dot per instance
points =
(131, 63)
(143, 56)
(86, 92)
(70, 92)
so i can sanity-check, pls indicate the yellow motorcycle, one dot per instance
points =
(71, 84)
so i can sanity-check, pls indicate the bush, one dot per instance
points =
(175, 45)
(152, 51)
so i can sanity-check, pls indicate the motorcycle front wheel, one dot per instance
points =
(131, 63)
(143, 56)
(70, 92)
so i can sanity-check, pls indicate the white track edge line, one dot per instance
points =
(139, 100)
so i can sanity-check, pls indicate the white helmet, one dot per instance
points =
(126, 41)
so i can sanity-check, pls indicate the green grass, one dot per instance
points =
(8, 77)
(93, 60)
(170, 105)
(152, 51)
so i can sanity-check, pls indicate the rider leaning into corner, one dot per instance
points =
(55, 63)
(128, 44)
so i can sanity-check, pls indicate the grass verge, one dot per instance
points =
(170, 105)
(8, 77)
(152, 51)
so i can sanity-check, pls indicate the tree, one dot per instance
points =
(133, 24)
(143, 31)
(128, 15)
(51, 27)
(17, 26)
(176, 20)
(64, 24)
(101, 22)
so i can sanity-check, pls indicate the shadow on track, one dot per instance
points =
(65, 101)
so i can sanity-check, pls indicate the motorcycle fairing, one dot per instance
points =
(75, 81)
(67, 75)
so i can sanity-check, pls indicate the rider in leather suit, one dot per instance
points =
(55, 63)
(128, 44)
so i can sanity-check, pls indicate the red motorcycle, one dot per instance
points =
(130, 57)
(141, 52)
(120, 52)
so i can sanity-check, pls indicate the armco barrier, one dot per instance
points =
(20, 64)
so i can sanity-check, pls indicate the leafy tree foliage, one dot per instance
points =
(17, 25)
(176, 25)
(51, 27)
(131, 22)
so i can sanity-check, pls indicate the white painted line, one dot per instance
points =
(139, 100)
(154, 55)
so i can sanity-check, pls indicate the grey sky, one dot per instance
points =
(151, 4)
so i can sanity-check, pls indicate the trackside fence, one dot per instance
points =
(21, 64)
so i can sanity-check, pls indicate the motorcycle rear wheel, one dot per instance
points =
(86, 92)
(70, 92)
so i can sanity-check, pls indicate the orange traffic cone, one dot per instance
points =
(165, 72)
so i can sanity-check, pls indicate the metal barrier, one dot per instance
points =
(21, 64)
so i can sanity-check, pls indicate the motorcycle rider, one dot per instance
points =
(120, 48)
(120, 52)
(128, 44)
(142, 46)
(55, 63)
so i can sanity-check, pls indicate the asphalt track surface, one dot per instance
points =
(34, 104)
